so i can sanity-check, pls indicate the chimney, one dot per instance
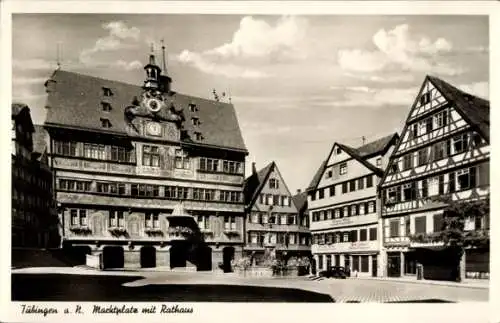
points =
(254, 169)
(298, 191)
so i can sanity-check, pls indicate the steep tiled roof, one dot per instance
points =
(362, 153)
(377, 146)
(254, 182)
(472, 108)
(300, 201)
(76, 102)
(17, 108)
(317, 176)
(39, 137)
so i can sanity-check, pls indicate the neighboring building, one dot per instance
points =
(146, 176)
(34, 222)
(343, 207)
(274, 224)
(444, 151)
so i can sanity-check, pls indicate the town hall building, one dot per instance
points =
(145, 176)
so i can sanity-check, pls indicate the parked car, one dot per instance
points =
(335, 272)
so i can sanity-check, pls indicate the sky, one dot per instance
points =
(298, 83)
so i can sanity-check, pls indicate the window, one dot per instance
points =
(192, 107)
(198, 136)
(74, 217)
(276, 200)
(362, 208)
(373, 234)
(394, 167)
(121, 189)
(65, 148)
(466, 178)
(94, 151)
(195, 121)
(345, 237)
(364, 263)
(273, 183)
(352, 186)
(420, 224)
(344, 187)
(394, 228)
(329, 173)
(105, 123)
(202, 222)
(338, 151)
(441, 184)
(106, 106)
(121, 154)
(425, 188)
(369, 181)
(452, 185)
(439, 150)
(229, 223)
(363, 235)
(425, 98)
(422, 156)
(407, 161)
(337, 213)
(441, 119)
(461, 143)
(379, 162)
(290, 220)
(332, 190)
(209, 164)
(343, 169)
(181, 159)
(150, 156)
(103, 187)
(353, 209)
(414, 130)
(116, 219)
(321, 193)
(152, 220)
(371, 207)
(438, 222)
(269, 199)
(408, 192)
(283, 200)
(428, 125)
(106, 91)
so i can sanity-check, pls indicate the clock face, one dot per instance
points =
(154, 129)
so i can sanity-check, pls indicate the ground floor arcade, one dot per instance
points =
(178, 254)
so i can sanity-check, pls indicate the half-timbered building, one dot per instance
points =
(444, 151)
(145, 176)
(275, 223)
(344, 208)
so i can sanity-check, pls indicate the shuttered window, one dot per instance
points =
(438, 222)
(420, 224)
(394, 228)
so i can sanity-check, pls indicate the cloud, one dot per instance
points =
(255, 44)
(119, 36)
(480, 89)
(399, 48)
(205, 65)
(357, 96)
(28, 80)
(386, 78)
(33, 64)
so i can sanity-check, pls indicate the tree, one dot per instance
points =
(453, 233)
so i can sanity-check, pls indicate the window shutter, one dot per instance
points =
(452, 184)
(472, 175)
(448, 147)
(484, 174)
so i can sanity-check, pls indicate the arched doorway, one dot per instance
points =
(204, 258)
(178, 254)
(227, 256)
(148, 257)
(76, 255)
(113, 257)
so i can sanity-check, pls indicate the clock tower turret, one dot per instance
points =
(153, 72)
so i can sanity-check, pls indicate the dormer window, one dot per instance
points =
(106, 106)
(195, 121)
(338, 151)
(193, 107)
(105, 123)
(274, 183)
(425, 98)
(198, 136)
(106, 91)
